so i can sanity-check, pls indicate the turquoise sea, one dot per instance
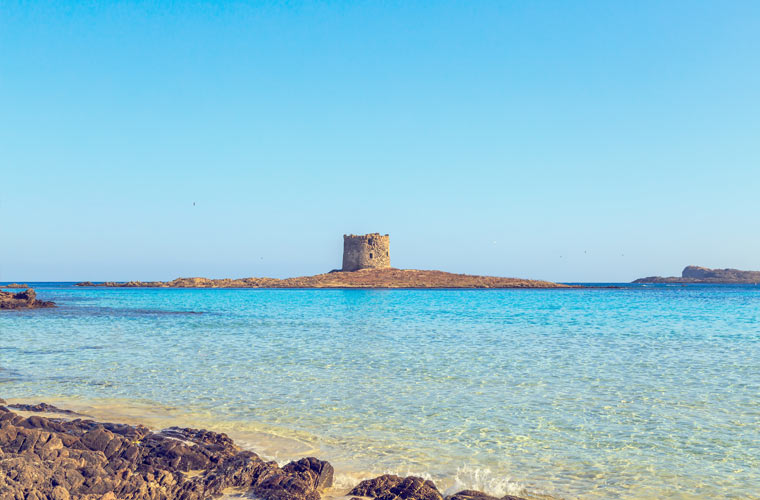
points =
(636, 392)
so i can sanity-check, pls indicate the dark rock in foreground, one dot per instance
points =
(22, 300)
(390, 487)
(696, 274)
(45, 458)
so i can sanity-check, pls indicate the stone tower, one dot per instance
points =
(366, 251)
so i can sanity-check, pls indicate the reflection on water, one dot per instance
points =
(629, 393)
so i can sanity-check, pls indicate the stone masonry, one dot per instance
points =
(366, 251)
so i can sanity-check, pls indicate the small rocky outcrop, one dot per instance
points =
(16, 285)
(22, 300)
(391, 487)
(478, 495)
(85, 283)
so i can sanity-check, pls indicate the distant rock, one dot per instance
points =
(22, 300)
(16, 285)
(696, 274)
(478, 495)
(85, 283)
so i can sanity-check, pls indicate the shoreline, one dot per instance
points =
(284, 451)
(269, 444)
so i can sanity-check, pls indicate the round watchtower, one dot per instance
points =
(366, 251)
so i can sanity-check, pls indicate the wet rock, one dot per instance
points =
(42, 408)
(22, 300)
(478, 495)
(318, 473)
(391, 487)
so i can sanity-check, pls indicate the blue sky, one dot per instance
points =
(571, 141)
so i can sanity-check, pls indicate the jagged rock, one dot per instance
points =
(49, 458)
(22, 300)
(16, 285)
(318, 473)
(391, 487)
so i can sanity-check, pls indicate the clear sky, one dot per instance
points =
(570, 141)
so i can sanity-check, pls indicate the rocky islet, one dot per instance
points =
(705, 275)
(22, 300)
(363, 278)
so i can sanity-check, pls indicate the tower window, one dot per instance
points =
(370, 255)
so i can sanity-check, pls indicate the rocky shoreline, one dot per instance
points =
(364, 278)
(62, 456)
(22, 300)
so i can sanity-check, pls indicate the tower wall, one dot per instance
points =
(366, 251)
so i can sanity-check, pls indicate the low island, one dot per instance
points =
(364, 278)
(366, 264)
(696, 274)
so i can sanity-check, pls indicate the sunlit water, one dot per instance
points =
(644, 392)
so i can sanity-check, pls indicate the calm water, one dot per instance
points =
(630, 393)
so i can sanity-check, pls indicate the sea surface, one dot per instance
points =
(635, 392)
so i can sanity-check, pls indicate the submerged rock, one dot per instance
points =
(391, 487)
(478, 495)
(41, 408)
(22, 300)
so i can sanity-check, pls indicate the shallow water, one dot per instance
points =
(639, 392)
